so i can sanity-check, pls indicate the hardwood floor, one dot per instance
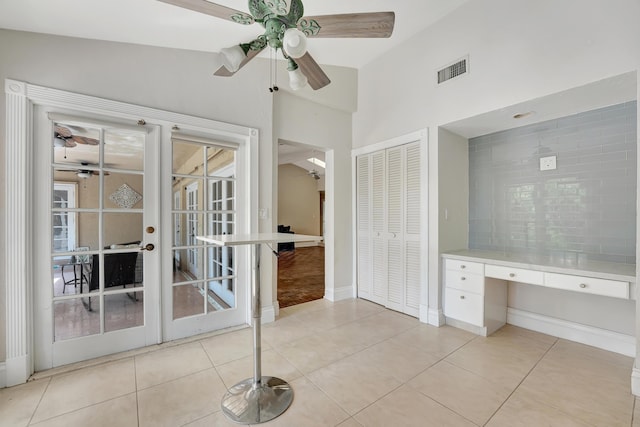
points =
(300, 276)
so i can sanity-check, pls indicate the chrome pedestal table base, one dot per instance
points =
(259, 399)
(251, 403)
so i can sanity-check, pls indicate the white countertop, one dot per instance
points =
(568, 264)
(248, 239)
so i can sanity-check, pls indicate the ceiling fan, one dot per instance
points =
(84, 173)
(287, 29)
(64, 137)
(314, 174)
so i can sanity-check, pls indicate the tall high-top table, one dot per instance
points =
(258, 399)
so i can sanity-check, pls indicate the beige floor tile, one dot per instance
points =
(353, 385)
(511, 330)
(216, 419)
(521, 410)
(310, 408)
(351, 422)
(437, 341)
(595, 397)
(288, 329)
(273, 364)
(232, 346)
(400, 361)
(121, 412)
(169, 364)
(636, 413)
(379, 327)
(407, 407)
(318, 350)
(17, 404)
(181, 401)
(593, 360)
(466, 393)
(504, 360)
(341, 313)
(76, 390)
(306, 307)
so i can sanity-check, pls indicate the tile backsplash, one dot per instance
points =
(585, 208)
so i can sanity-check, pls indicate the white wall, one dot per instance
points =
(451, 201)
(298, 200)
(518, 50)
(303, 121)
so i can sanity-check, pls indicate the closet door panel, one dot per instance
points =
(363, 175)
(378, 227)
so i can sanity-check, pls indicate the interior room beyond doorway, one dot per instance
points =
(301, 182)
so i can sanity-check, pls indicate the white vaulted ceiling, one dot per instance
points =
(153, 23)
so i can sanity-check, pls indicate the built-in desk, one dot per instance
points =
(475, 283)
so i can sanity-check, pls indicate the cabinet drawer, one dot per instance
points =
(590, 285)
(514, 274)
(466, 266)
(464, 306)
(465, 281)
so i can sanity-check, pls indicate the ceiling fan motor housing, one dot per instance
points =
(275, 24)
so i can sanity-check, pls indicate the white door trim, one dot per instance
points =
(21, 97)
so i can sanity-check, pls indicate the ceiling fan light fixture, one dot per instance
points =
(232, 57)
(294, 43)
(297, 80)
(83, 174)
(59, 142)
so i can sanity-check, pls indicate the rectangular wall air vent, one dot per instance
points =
(454, 70)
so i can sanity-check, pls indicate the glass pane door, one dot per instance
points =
(204, 277)
(99, 207)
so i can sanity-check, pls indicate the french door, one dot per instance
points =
(99, 224)
(209, 284)
(97, 206)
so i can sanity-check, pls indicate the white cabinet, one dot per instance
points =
(472, 298)
(464, 292)
(388, 217)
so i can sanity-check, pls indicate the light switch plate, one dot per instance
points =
(548, 163)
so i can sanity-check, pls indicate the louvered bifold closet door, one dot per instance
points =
(395, 225)
(378, 228)
(363, 174)
(412, 230)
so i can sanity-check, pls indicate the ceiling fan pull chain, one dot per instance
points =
(273, 71)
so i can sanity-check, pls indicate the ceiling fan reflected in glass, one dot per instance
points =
(64, 137)
(287, 29)
(83, 173)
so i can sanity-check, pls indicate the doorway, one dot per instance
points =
(301, 189)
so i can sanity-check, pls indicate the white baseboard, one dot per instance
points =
(339, 294)
(635, 381)
(3, 374)
(268, 314)
(589, 335)
(434, 316)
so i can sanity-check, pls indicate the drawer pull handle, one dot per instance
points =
(512, 274)
(463, 266)
(463, 278)
(583, 285)
(461, 296)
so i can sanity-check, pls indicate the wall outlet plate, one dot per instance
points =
(548, 163)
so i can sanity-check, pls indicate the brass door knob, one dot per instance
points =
(148, 247)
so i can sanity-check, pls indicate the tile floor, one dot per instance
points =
(351, 364)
